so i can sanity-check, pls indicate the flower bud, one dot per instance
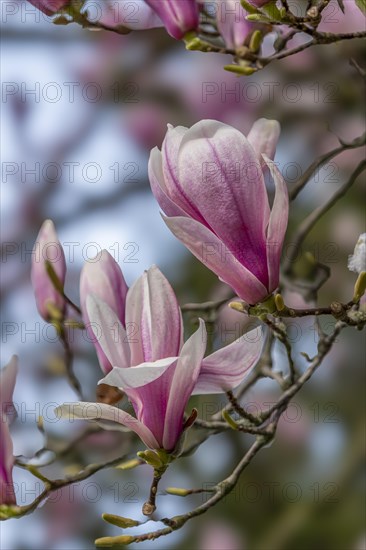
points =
(107, 542)
(48, 271)
(357, 260)
(120, 521)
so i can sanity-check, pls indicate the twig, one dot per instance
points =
(55, 484)
(318, 163)
(69, 358)
(309, 222)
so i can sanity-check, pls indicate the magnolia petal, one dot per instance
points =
(212, 252)
(277, 225)
(108, 331)
(49, 7)
(152, 310)
(173, 186)
(183, 382)
(264, 136)
(103, 277)
(178, 17)
(7, 494)
(156, 177)
(231, 23)
(124, 14)
(100, 411)
(225, 369)
(7, 378)
(138, 376)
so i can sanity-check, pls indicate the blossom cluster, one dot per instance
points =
(210, 183)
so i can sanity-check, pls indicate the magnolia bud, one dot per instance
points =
(120, 521)
(357, 260)
(48, 273)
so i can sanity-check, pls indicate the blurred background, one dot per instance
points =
(80, 112)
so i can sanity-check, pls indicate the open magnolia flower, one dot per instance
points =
(209, 181)
(7, 378)
(153, 366)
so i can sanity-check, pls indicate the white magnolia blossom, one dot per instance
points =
(357, 260)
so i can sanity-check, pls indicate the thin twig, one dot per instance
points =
(309, 222)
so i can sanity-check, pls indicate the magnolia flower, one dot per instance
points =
(7, 379)
(103, 278)
(209, 181)
(153, 366)
(48, 248)
(178, 16)
(357, 260)
(49, 7)
(232, 23)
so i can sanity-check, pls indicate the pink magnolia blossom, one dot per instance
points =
(47, 248)
(231, 23)
(154, 367)
(103, 278)
(7, 379)
(209, 181)
(178, 16)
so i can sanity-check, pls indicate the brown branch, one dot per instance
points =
(307, 225)
(300, 184)
(55, 484)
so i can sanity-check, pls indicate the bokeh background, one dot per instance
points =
(80, 112)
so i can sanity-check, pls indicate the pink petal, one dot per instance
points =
(100, 411)
(158, 187)
(7, 494)
(178, 16)
(154, 315)
(138, 376)
(49, 7)
(183, 382)
(8, 378)
(173, 186)
(108, 332)
(226, 368)
(277, 225)
(103, 278)
(136, 15)
(213, 253)
(231, 23)
(264, 136)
